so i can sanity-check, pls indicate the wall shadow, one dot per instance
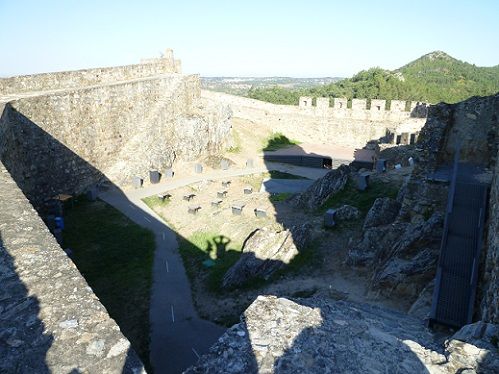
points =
(23, 342)
(42, 168)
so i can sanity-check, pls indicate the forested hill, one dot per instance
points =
(433, 78)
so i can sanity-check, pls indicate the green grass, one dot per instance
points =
(281, 196)
(115, 256)
(362, 200)
(277, 141)
(154, 202)
(276, 174)
(202, 246)
(236, 147)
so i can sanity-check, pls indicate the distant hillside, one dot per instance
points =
(242, 85)
(433, 78)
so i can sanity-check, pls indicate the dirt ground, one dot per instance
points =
(324, 274)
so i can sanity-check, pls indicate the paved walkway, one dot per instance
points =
(178, 335)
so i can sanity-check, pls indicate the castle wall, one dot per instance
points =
(87, 77)
(490, 302)
(66, 141)
(348, 127)
(46, 306)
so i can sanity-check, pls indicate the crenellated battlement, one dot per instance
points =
(359, 108)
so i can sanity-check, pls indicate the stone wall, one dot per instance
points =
(87, 77)
(66, 141)
(321, 124)
(46, 307)
(490, 301)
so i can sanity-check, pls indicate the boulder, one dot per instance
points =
(323, 188)
(266, 251)
(383, 212)
(421, 308)
(317, 335)
(346, 213)
(375, 244)
(411, 261)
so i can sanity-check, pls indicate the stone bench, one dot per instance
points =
(154, 176)
(362, 181)
(137, 182)
(222, 194)
(198, 168)
(194, 209)
(329, 218)
(248, 190)
(260, 213)
(216, 203)
(164, 196)
(189, 197)
(237, 209)
(381, 165)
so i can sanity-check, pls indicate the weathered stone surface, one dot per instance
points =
(50, 320)
(375, 244)
(346, 213)
(383, 211)
(123, 129)
(266, 251)
(314, 335)
(318, 125)
(323, 188)
(490, 287)
(421, 308)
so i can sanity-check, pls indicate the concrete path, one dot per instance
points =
(178, 335)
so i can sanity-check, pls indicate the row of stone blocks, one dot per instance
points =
(155, 176)
(377, 105)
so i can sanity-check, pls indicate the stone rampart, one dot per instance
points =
(88, 77)
(69, 140)
(50, 319)
(320, 124)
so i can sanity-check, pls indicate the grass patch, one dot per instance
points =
(362, 200)
(115, 256)
(204, 246)
(236, 147)
(155, 202)
(277, 141)
(280, 196)
(276, 174)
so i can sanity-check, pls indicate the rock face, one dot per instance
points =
(347, 213)
(277, 335)
(401, 239)
(383, 212)
(490, 303)
(266, 251)
(323, 188)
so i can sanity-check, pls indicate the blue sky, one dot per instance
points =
(304, 38)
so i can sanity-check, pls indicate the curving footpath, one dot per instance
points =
(178, 335)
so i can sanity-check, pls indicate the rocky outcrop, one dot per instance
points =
(322, 189)
(346, 213)
(490, 303)
(401, 240)
(277, 335)
(266, 251)
(383, 212)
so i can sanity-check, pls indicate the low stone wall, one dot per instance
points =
(50, 319)
(86, 77)
(64, 142)
(342, 126)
